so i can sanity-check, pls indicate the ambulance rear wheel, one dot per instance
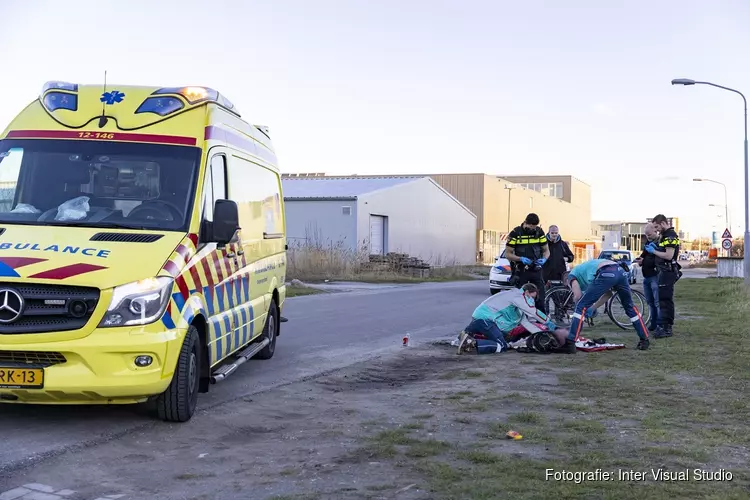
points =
(178, 402)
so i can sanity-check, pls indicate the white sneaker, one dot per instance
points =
(463, 340)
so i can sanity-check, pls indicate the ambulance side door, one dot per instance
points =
(220, 266)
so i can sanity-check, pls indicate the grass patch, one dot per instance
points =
(585, 426)
(414, 426)
(317, 260)
(527, 417)
(393, 437)
(474, 407)
(299, 291)
(427, 448)
(424, 416)
(680, 405)
(457, 396)
(195, 476)
(373, 451)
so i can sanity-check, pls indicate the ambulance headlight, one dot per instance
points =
(138, 303)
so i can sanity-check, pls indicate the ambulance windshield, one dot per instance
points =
(97, 184)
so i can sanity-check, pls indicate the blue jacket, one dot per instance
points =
(585, 272)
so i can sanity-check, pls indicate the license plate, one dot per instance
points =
(21, 378)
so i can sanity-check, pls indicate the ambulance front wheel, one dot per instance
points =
(270, 331)
(178, 402)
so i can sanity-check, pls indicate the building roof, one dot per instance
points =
(338, 188)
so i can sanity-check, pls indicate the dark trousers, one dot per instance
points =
(535, 277)
(492, 333)
(611, 277)
(667, 279)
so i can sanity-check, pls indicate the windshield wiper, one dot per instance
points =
(117, 225)
(101, 225)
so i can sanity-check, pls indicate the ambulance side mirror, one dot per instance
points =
(226, 221)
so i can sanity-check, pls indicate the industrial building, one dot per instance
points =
(377, 215)
(502, 202)
(619, 235)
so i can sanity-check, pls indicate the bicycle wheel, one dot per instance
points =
(619, 317)
(560, 305)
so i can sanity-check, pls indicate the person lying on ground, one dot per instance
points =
(499, 315)
(589, 281)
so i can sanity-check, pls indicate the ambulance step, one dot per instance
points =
(225, 371)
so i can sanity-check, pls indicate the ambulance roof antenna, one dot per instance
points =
(103, 118)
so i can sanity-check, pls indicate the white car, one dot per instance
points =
(500, 274)
(627, 257)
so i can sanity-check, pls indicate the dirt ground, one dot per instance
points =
(422, 423)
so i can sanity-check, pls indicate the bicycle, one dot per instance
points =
(561, 297)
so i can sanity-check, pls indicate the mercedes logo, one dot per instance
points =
(11, 305)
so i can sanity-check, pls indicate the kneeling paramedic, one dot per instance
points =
(589, 282)
(500, 314)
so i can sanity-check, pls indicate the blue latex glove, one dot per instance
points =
(550, 325)
(650, 248)
(541, 261)
(526, 260)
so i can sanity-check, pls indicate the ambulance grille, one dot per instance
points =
(44, 359)
(126, 237)
(49, 308)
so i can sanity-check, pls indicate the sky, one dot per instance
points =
(578, 88)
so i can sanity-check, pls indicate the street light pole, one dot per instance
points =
(726, 201)
(746, 240)
(509, 187)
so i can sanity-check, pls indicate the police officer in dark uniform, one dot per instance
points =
(527, 250)
(666, 253)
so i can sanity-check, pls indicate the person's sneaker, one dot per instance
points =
(463, 342)
(642, 345)
(662, 333)
(569, 347)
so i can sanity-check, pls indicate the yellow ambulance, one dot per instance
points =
(142, 246)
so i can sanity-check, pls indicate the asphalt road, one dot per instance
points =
(324, 332)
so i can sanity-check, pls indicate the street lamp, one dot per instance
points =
(686, 81)
(726, 206)
(509, 187)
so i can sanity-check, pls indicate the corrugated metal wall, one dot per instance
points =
(321, 223)
(466, 188)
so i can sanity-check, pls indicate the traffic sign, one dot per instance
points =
(727, 235)
(726, 244)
